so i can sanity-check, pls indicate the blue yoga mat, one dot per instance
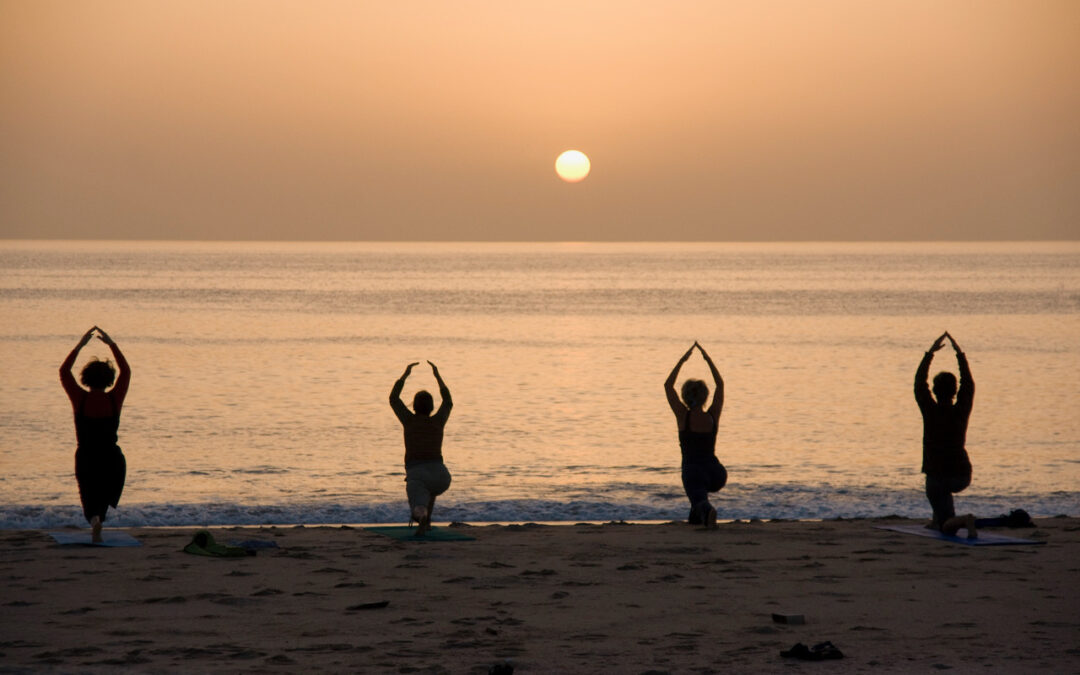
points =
(985, 538)
(82, 538)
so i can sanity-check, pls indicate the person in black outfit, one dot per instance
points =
(945, 459)
(426, 476)
(100, 467)
(702, 472)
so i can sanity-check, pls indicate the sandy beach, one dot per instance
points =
(612, 598)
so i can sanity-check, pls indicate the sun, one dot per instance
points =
(572, 166)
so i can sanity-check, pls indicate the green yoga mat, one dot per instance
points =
(405, 533)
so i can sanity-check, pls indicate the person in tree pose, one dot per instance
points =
(702, 472)
(426, 477)
(100, 466)
(945, 460)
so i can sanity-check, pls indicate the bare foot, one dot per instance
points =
(953, 525)
(710, 519)
(95, 530)
(969, 523)
(423, 523)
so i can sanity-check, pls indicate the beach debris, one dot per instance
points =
(503, 667)
(368, 605)
(822, 651)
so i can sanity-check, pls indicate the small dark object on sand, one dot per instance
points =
(368, 605)
(819, 652)
(501, 668)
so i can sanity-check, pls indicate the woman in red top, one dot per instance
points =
(100, 467)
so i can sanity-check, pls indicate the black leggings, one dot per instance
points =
(699, 478)
(940, 488)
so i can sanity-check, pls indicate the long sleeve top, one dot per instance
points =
(944, 422)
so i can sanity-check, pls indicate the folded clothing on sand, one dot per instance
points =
(1016, 518)
(203, 544)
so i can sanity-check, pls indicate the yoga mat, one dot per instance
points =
(985, 538)
(405, 533)
(82, 538)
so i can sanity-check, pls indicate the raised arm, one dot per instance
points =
(399, 407)
(123, 378)
(677, 406)
(67, 379)
(965, 393)
(718, 397)
(922, 374)
(444, 393)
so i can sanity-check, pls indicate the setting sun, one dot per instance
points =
(572, 166)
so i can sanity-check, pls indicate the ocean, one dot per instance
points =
(261, 375)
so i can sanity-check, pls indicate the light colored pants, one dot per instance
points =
(425, 481)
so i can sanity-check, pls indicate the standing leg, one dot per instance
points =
(695, 479)
(431, 508)
(967, 521)
(940, 498)
(419, 497)
(91, 478)
(438, 482)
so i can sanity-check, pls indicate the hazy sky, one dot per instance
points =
(714, 120)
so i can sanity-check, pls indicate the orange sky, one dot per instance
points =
(715, 120)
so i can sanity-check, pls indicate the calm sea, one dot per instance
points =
(261, 373)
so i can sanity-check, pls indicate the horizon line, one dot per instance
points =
(541, 241)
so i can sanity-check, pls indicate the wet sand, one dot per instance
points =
(612, 598)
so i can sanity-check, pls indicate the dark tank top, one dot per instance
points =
(697, 446)
(96, 433)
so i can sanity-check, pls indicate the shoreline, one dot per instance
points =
(501, 523)
(455, 523)
(569, 598)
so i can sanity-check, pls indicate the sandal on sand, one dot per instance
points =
(819, 652)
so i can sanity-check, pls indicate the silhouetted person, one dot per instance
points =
(702, 472)
(426, 477)
(100, 467)
(945, 460)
